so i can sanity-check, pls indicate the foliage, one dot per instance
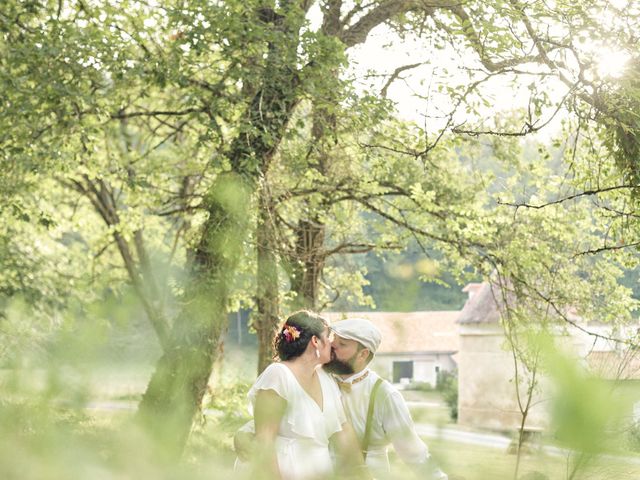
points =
(447, 383)
(227, 410)
(43, 442)
(411, 281)
(120, 124)
(633, 437)
(110, 132)
(579, 424)
(231, 401)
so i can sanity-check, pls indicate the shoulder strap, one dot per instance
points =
(367, 429)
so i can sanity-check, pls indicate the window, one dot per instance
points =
(402, 370)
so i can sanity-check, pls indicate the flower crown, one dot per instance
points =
(290, 333)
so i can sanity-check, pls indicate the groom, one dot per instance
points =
(377, 410)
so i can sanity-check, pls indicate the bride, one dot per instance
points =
(297, 408)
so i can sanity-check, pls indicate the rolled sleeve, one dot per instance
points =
(400, 430)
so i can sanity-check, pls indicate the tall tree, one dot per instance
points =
(237, 71)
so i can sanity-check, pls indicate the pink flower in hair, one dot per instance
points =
(290, 333)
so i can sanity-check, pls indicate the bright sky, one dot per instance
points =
(416, 93)
(383, 52)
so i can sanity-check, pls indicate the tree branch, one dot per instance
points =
(102, 199)
(394, 76)
(606, 248)
(473, 37)
(358, 248)
(152, 113)
(569, 197)
(381, 13)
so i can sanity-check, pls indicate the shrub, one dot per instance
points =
(633, 437)
(448, 385)
(419, 386)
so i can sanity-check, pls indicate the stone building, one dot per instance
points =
(486, 370)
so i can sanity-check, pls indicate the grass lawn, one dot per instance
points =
(473, 462)
(210, 445)
(209, 454)
(427, 407)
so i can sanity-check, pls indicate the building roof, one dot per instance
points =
(411, 332)
(482, 306)
(472, 288)
(486, 301)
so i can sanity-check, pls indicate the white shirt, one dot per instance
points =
(391, 424)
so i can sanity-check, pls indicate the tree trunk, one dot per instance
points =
(267, 301)
(179, 382)
(309, 263)
(310, 235)
(176, 389)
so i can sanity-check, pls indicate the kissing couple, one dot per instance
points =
(319, 411)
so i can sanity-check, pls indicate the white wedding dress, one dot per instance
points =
(302, 444)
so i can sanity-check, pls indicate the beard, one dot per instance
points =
(339, 367)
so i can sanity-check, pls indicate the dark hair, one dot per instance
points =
(305, 322)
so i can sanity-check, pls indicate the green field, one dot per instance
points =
(474, 462)
(101, 437)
